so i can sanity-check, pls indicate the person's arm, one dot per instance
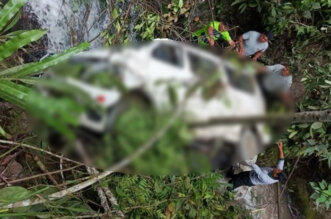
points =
(280, 164)
(226, 36)
(286, 98)
(224, 30)
(257, 55)
(261, 68)
(280, 150)
(241, 50)
(210, 32)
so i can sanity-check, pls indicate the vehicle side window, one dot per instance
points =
(240, 81)
(209, 73)
(201, 66)
(169, 54)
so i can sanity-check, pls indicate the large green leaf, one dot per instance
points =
(13, 194)
(15, 69)
(12, 34)
(32, 68)
(13, 93)
(18, 41)
(9, 11)
(59, 113)
(12, 22)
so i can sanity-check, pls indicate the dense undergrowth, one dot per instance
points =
(299, 39)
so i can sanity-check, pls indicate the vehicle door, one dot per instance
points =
(167, 69)
(211, 98)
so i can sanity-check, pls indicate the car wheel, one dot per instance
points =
(249, 146)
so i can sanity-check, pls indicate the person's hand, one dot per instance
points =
(280, 149)
(211, 41)
(232, 44)
(241, 52)
(280, 145)
(240, 49)
(257, 55)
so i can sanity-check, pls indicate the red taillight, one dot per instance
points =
(101, 98)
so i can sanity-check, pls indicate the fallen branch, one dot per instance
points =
(84, 216)
(302, 117)
(44, 169)
(288, 178)
(61, 168)
(113, 201)
(100, 189)
(39, 175)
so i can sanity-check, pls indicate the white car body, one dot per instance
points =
(140, 70)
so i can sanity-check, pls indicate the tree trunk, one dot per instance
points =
(301, 117)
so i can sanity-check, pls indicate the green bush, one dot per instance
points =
(322, 194)
(304, 17)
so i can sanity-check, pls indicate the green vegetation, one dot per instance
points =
(178, 197)
(20, 93)
(322, 194)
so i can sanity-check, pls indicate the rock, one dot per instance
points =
(262, 201)
(12, 171)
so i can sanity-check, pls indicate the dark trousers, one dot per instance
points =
(241, 179)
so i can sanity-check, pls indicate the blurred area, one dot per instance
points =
(115, 100)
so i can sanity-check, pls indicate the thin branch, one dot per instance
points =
(295, 165)
(113, 201)
(85, 216)
(44, 169)
(61, 168)
(40, 175)
(93, 171)
(9, 151)
(41, 150)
